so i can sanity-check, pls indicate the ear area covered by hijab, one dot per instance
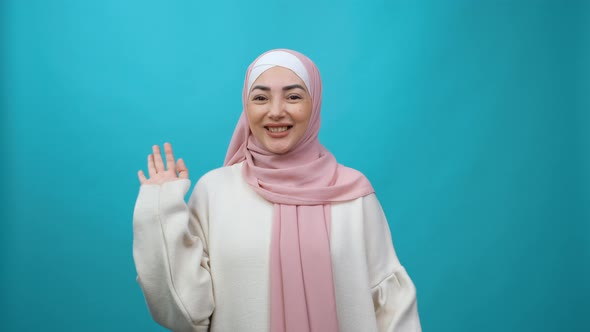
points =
(302, 184)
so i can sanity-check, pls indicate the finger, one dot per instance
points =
(182, 170)
(151, 167)
(141, 177)
(158, 162)
(170, 164)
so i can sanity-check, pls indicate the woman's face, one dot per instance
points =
(279, 108)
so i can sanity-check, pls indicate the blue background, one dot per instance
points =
(470, 118)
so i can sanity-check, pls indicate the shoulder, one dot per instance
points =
(219, 177)
(217, 182)
(351, 171)
(367, 202)
(355, 181)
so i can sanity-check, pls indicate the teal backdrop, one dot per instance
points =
(471, 119)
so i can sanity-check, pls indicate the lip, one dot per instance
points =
(275, 125)
(278, 124)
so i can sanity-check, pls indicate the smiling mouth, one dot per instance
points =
(278, 129)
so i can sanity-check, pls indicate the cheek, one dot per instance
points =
(250, 117)
(304, 114)
(252, 114)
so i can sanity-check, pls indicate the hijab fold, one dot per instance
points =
(302, 184)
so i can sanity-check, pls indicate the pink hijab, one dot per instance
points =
(302, 184)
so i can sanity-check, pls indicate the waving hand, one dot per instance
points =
(160, 173)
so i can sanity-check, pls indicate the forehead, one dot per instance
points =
(277, 76)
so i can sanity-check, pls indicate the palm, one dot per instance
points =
(160, 173)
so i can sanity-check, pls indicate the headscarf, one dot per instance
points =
(302, 184)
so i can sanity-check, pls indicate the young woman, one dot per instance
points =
(282, 238)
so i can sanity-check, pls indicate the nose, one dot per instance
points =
(277, 110)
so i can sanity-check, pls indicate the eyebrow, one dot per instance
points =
(285, 88)
(294, 86)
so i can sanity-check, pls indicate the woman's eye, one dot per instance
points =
(294, 97)
(259, 98)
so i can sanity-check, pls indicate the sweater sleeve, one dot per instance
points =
(171, 259)
(394, 294)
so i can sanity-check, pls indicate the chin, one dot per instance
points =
(278, 149)
(281, 151)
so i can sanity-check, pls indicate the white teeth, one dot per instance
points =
(277, 129)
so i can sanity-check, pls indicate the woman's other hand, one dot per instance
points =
(158, 173)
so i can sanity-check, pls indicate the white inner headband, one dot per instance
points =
(278, 58)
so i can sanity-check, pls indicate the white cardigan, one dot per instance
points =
(206, 265)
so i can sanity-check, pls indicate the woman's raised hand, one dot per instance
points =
(158, 174)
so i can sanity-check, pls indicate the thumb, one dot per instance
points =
(182, 170)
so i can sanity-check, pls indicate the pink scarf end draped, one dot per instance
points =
(302, 184)
(300, 238)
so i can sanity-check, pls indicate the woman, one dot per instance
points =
(283, 238)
